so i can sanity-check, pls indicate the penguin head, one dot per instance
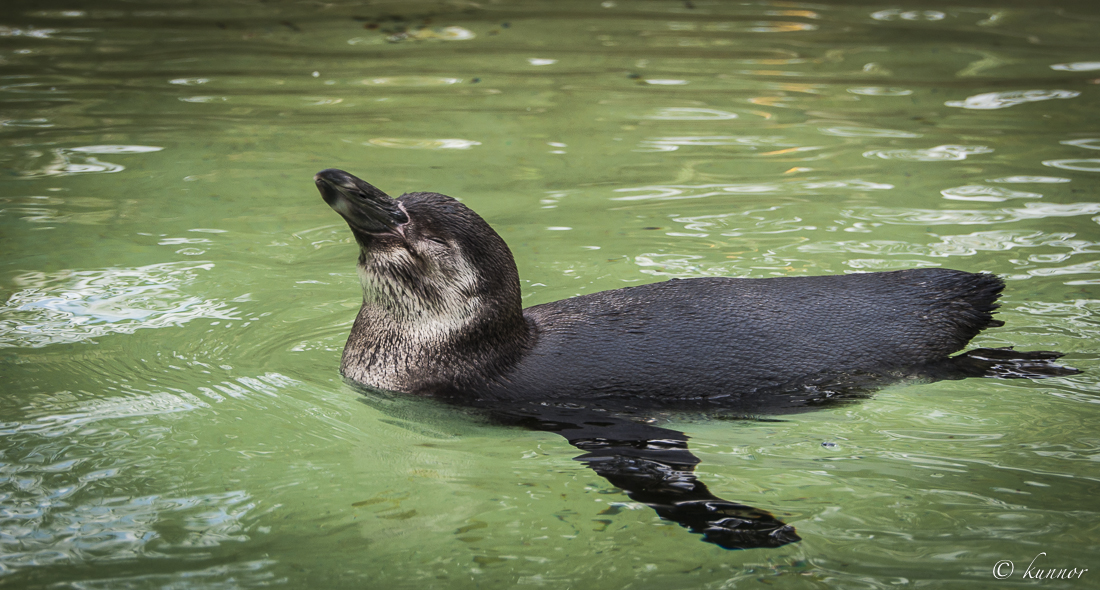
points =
(425, 258)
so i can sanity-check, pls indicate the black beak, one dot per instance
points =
(365, 207)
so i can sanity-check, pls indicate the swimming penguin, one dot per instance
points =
(442, 315)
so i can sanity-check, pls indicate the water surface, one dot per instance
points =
(175, 294)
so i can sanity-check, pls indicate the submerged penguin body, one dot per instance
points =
(442, 315)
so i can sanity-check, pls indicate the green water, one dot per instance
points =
(176, 294)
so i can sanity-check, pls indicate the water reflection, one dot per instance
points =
(423, 144)
(52, 530)
(675, 192)
(69, 161)
(935, 154)
(671, 144)
(1080, 66)
(653, 465)
(867, 132)
(970, 216)
(44, 33)
(1001, 100)
(1027, 179)
(74, 461)
(989, 194)
(1092, 143)
(880, 91)
(691, 114)
(1083, 165)
(411, 81)
(79, 305)
(911, 15)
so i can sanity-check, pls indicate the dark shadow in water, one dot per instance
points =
(653, 465)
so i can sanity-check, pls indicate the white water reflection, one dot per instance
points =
(189, 81)
(422, 144)
(739, 223)
(963, 245)
(122, 527)
(1001, 100)
(37, 122)
(867, 132)
(902, 216)
(1092, 267)
(681, 265)
(452, 33)
(1080, 66)
(748, 26)
(912, 15)
(65, 417)
(1092, 143)
(1030, 179)
(76, 160)
(204, 99)
(115, 149)
(990, 194)
(880, 91)
(411, 81)
(671, 144)
(668, 192)
(36, 33)
(74, 306)
(691, 114)
(1085, 165)
(230, 576)
(936, 154)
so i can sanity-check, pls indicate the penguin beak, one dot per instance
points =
(366, 208)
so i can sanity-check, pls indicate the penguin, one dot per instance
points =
(442, 316)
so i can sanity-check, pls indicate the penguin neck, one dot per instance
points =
(436, 353)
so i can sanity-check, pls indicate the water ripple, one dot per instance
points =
(671, 144)
(69, 161)
(1085, 165)
(78, 305)
(979, 192)
(691, 114)
(72, 461)
(970, 217)
(867, 132)
(118, 527)
(411, 81)
(1030, 179)
(1092, 143)
(911, 15)
(935, 154)
(1080, 66)
(880, 91)
(233, 576)
(1001, 100)
(423, 144)
(742, 222)
(670, 192)
(964, 245)
(36, 33)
